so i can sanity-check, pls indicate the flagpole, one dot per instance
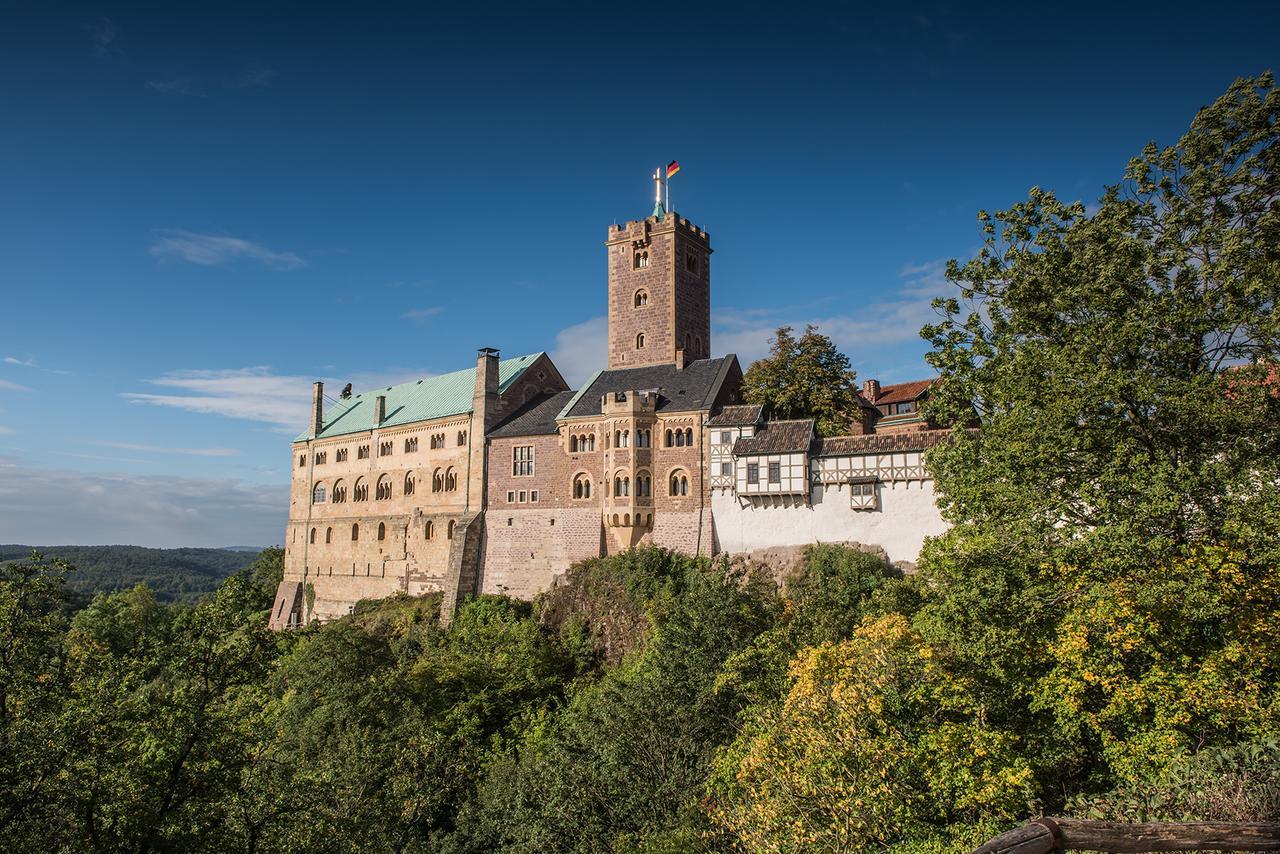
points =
(667, 183)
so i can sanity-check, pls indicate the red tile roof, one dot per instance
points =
(902, 392)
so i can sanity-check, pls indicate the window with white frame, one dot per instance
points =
(522, 461)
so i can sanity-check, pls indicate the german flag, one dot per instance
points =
(672, 168)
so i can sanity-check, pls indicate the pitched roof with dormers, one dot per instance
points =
(777, 437)
(418, 400)
(692, 388)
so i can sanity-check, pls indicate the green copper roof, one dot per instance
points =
(420, 400)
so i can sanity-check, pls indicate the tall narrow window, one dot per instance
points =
(775, 472)
(522, 461)
(449, 531)
(431, 530)
(437, 481)
(355, 532)
(382, 530)
(313, 535)
(640, 341)
(450, 480)
(328, 535)
(409, 483)
(753, 472)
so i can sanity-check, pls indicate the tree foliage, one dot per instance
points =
(804, 378)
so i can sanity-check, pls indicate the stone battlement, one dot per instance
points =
(640, 229)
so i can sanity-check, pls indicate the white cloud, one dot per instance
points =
(422, 313)
(211, 250)
(895, 319)
(30, 362)
(9, 385)
(582, 349)
(156, 449)
(57, 507)
(180, 86)
(253, 394)
(6, 431)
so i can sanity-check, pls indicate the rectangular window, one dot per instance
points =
(726, 468)
(753, 472)
(524, 496)
(533, 495)
(511, 496)
(726, 437)
(775, 472)
(522, 461)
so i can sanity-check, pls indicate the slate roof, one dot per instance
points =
(418, 400)
(536, 418)
(777, 437)
(693, 388)
(902, 392)
(914, 440)
(741, 415)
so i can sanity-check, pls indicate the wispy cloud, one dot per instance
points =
(56, 507)
(30, 362)
(6, 431)
(252, 394)
(211, 250)
(157, 449)
(9, 385)
(254, 76)
(893, 320)
(103, 33)
(422, 313)
(185, 87)
(581, 349)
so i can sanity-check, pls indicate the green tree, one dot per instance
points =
(804, 378)
(1110, 578)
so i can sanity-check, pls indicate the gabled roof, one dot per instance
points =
(418, 400)
(693, 388)
(914, 440)
(536, 418)
(740, 415)
(902, 392)
(777, 437)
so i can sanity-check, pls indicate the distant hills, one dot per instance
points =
(176, 575)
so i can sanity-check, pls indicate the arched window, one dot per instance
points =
(591, 442)
(640, 341)
(449, 530)
(679, 483)
(642, 298)
(670, 442)
(361, 490)
(643, 484)
(450, 480)
(382, 530)
(697, 345)
(339, 493)
(313, 535)
(355, 532)
(437, 481)
(686, 343)
(317, 494)
(383, 491)
(462, 438)
(679, 438)
(617, 487)
(582, 486)
(410, 481)
(573, 444)
(431, 530)
(328, 535)
(688, 436)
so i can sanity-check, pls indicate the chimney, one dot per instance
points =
(871, 390)
(317, 409)
(379, 410)
(485, 399)
(680, 359)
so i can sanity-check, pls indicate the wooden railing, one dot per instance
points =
(1048, 835)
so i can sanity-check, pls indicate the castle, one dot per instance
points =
(496, 478)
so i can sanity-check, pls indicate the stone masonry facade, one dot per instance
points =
(497, 480)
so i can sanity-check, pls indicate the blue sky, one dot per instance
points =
(203, 211)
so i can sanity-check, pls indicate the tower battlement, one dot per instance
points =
(641, 229)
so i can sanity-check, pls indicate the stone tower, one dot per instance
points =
(659, 292)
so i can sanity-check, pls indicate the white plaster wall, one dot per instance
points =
(906, 515)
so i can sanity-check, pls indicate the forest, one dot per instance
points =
(1098, 633)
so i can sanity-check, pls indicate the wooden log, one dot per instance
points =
(1028, 839)
(1168, 836)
